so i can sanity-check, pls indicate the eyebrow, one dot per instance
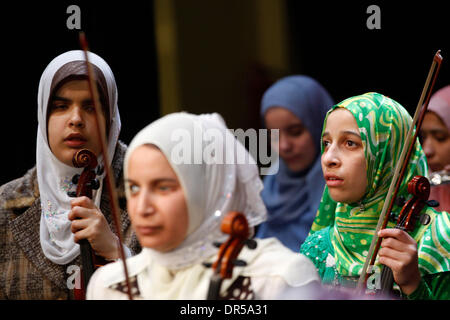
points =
(353, 133)
(158, 180)
(58, 98)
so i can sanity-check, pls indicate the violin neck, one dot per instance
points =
(214, 287)
(386, 282)
(86, 260)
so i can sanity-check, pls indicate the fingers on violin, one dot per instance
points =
(397, 261)
(82, 202)
(78, 212)
(392, 263)
(398, 234)
(400, 246)
(80, 235)
(78, 225)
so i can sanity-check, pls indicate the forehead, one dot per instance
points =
(148, 162)
(73, 87)
(432, 120)
(279, 117)
(341, 119)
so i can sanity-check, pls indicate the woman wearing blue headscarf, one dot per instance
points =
(296, 105)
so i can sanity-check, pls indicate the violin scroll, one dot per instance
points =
(419, 187)
(84, 158)
(235, 224)
(86, 182)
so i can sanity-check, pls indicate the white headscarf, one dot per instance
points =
(54, 177)
(210, 190)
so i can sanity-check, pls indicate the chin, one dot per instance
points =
(296, 167)
(342, 197)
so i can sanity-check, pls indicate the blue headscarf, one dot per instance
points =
(292, 198)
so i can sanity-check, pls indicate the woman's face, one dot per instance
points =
(435, 139)
(296, 145)
(156, 203)
(343, 160)
(71, 122)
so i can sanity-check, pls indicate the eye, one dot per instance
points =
(89, 108)
(134, 189)
(441, 137)
(295, 130)
(325, 143)
(350, 143)
(165, 187)
(58, 106)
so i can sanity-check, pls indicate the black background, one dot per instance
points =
(329, 41)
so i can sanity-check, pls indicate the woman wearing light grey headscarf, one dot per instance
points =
(40, 223)
(189, 155)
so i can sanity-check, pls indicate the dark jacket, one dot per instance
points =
(25, 272)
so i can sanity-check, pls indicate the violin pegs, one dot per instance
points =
(424, 219)
(251, 244)
(393, 216)
(400, 201)
(94, 184)
(217, 244)
(100, 170)
(239, 263)
(75, 179)
(432, 203)
(72, 194)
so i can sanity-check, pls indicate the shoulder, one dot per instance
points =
(20, 193)
(317, 243)
(318, 249)
(119, 153)
(434, 243)
(109, 281)
(272, 259)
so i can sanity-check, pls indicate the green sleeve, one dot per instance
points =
(317, 249)
(432, 287)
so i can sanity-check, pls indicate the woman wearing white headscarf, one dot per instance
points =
(40, 223)
(193, 160)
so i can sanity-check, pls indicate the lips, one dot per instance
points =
(75, 140)
(147, 230)
(333, 180)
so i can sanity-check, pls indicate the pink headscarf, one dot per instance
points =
(440, 104)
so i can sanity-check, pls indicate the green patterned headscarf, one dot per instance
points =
(383, 125)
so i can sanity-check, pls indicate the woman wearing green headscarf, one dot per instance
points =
(362, 139)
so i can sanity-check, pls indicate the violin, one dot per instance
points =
(86, 182)
(419, 188)
(397, 179)
(235, 224)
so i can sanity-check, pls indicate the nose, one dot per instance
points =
(76, 118)
(331, 158)
(428, 147)
(144, 206)
(284, 143)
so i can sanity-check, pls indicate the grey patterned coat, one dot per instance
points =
(25, 272)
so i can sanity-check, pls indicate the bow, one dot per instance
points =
(109, 174)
